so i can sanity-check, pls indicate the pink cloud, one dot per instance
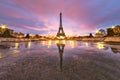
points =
(35, 28)
(79, 16)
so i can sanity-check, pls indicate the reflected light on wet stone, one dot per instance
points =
(29, 44)
(86, 44)
(49, 43)
(60, 62)
(72, 44)
(100, 45)
(15, 52)
(16, 45)
(57, 41)
(64, 42)
(1, 55)
(60, 42)
(43, 43)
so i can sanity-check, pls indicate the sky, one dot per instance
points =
(80, 17)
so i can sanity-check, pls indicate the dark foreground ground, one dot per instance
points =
(74, 65)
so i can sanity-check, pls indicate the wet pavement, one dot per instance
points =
(59, 60)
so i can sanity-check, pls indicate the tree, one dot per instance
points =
(90, 35)
(116, 30)
(110, 32)
(7, 34)
(27, 36)
(100, 33)
(36, 36)
(103, 33)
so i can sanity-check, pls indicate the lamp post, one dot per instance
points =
(3, 26)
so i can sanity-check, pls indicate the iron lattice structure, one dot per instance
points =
(61, 31)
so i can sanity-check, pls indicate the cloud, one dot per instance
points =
(80, 16)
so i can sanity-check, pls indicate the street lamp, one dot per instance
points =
(113, 27)
(3, 26)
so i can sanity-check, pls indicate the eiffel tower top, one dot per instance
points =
(60, 19)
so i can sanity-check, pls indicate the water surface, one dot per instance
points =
(59, 60)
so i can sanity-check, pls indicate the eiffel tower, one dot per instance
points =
(61, 34)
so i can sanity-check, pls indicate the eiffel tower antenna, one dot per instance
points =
(60, 19)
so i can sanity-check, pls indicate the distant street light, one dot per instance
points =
(3, 26)
(113, 27)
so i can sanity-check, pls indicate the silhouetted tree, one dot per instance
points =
(7, 34)
(90, 35)
(27, 36)
(36, 36)
(100, 33)
(110, 32)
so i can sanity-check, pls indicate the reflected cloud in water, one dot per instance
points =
(70, 44)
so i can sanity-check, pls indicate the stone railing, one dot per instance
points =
(112, 39)
(105, 39)
(14, 39)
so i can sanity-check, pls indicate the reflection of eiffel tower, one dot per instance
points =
(61, 50)
(115, 50)
(61, 33)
